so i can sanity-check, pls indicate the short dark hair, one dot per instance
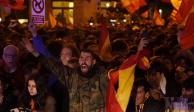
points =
(156, 66)
(59, 45)
(89, 51)
(142, 83)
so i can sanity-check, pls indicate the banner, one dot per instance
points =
(38, 11)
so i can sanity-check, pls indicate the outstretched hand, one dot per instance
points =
(32, 29)
(142, 44)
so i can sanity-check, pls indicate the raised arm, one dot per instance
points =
(37, 41)
(124, 76)
(57, 68)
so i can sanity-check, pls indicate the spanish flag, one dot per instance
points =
(144, 63)
(16, 5)
(186, 38)
(52, 19)
(176, 3)
(183, 12)
(157, 19)
(133, 5)
(145, 14)
(4, 3)
(117, 100)
(104, 42)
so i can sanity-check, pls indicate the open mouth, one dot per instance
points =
(84, 68)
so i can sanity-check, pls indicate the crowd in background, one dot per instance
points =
(169, 77)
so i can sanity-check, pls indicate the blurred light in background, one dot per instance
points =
(107, 5)
(71, 4)
(160, 11)
(113, 20)
(21, 21)
(124, 20)
(91, 24)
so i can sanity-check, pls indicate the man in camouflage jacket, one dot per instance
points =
(86, 84)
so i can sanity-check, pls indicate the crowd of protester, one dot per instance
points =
(42, 76)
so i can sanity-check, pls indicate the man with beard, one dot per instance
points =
(86, 83)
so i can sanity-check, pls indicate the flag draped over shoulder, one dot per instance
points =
(133, 5)
(187, 36)
(52, 19)
(104, 41)
(183, 12)
(117, 101)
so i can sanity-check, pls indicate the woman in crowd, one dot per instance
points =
(35, 97)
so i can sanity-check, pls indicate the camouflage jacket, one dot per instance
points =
(85, 94)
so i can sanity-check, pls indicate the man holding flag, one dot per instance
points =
(87, 84)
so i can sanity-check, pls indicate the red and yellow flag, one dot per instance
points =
(52, 19)
(157, 19)
(112, 104)
(17, 5)
(104, 42)
(144, 63)
(117, 101)
(183, 12)
(4, 3)
(176, 3)
(133, 5)
(187, 36)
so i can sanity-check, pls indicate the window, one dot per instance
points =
(64, 7)
(62, 4)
